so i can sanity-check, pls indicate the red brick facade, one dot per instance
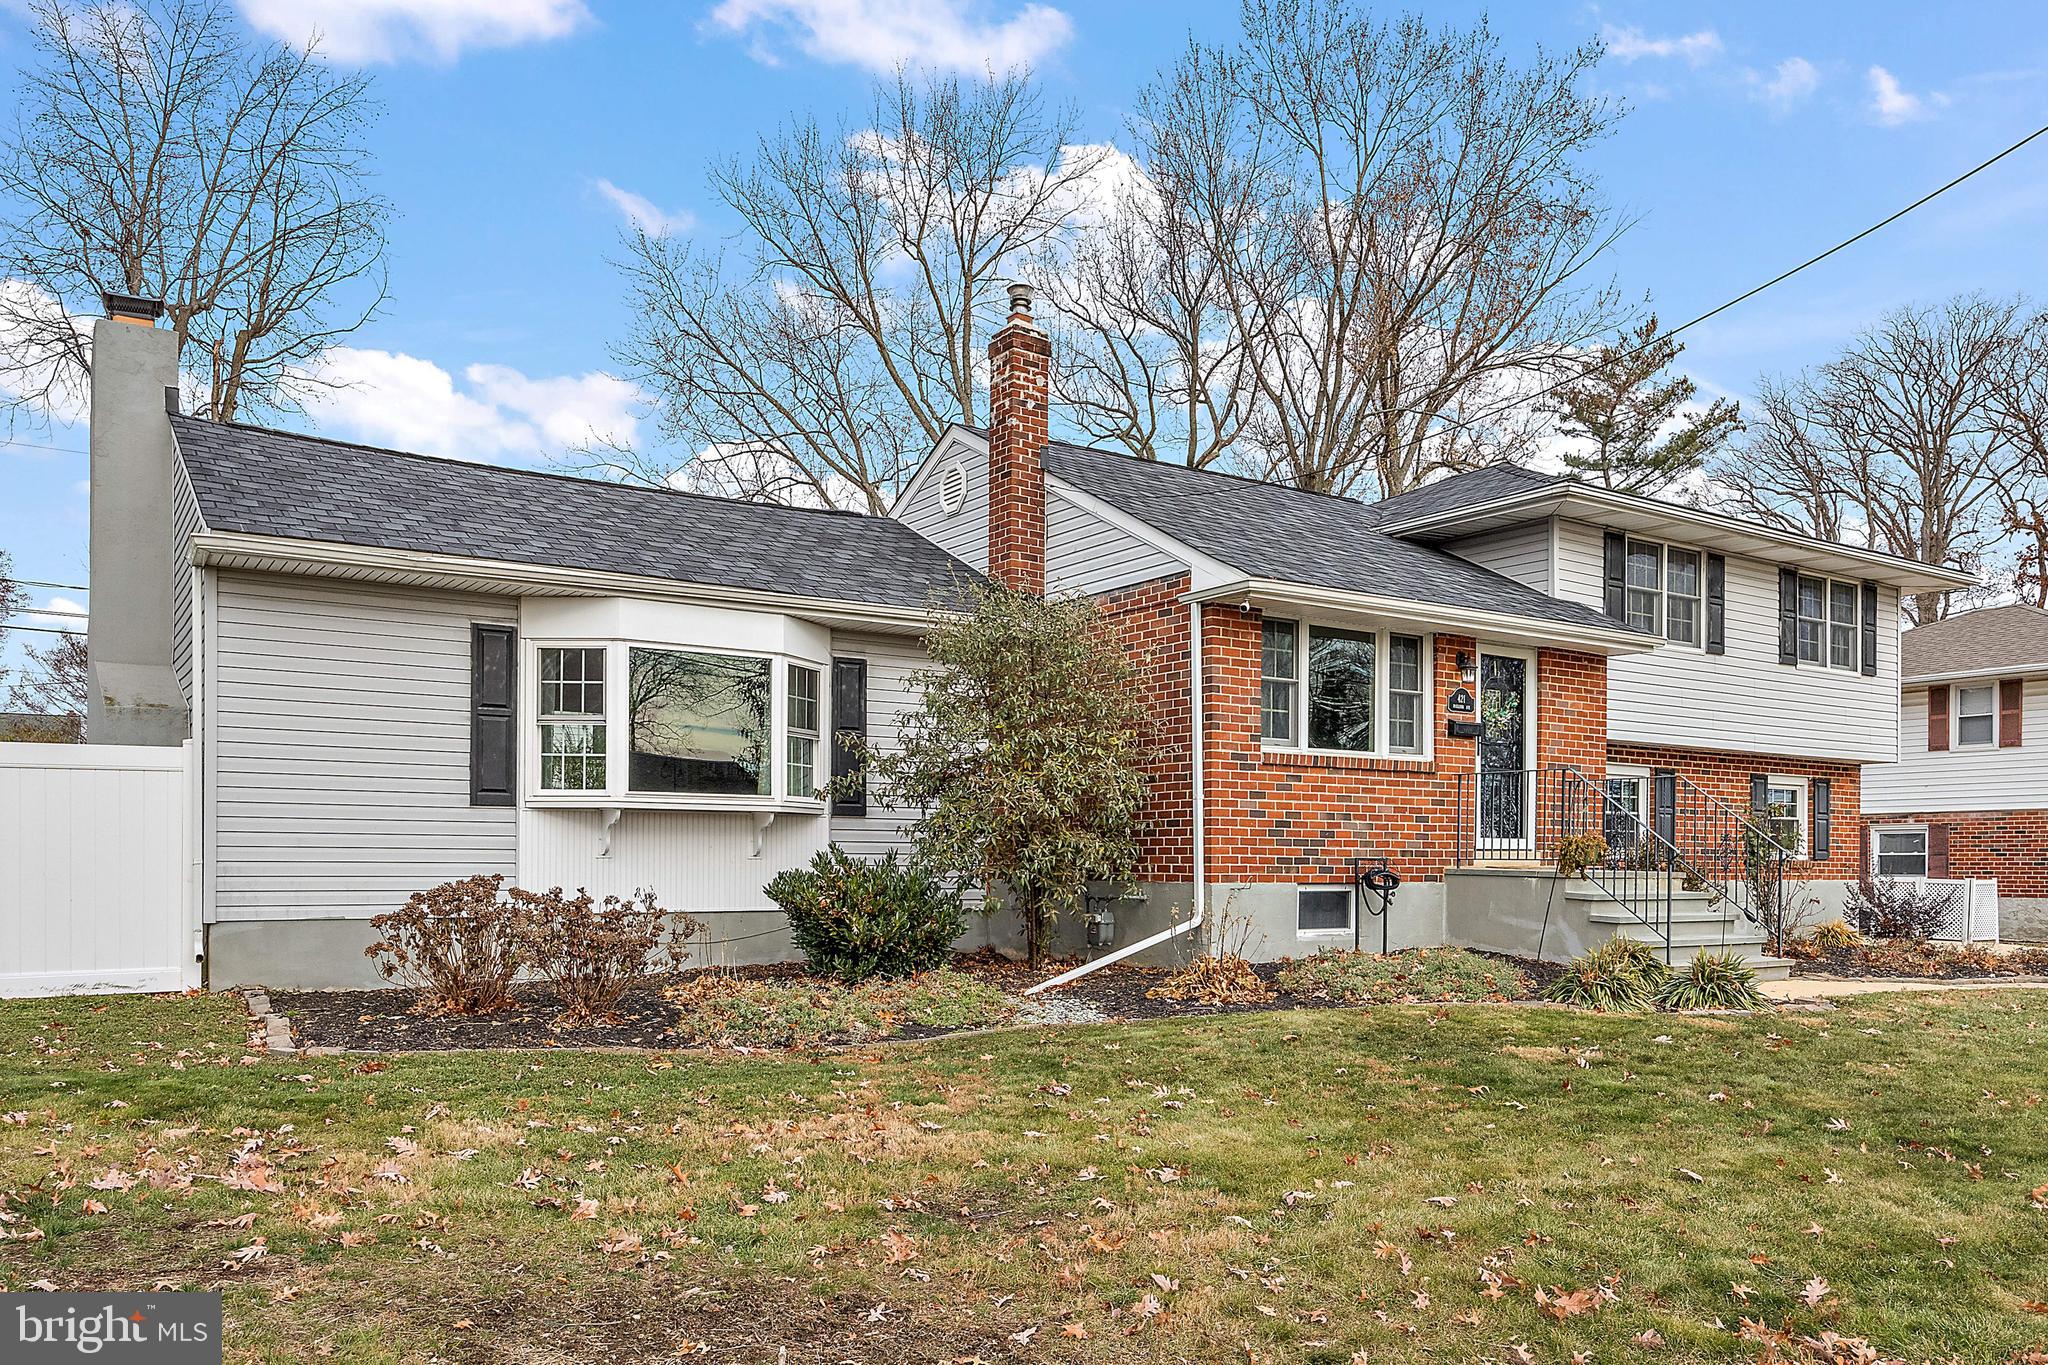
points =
(1726, 777)
(1280, 816)
(1020, 370)
(2010, 845)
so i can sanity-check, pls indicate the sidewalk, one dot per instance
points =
(1834, 987)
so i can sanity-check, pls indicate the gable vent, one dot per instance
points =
(953, 488)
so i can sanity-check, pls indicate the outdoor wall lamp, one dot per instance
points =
(1465, 671)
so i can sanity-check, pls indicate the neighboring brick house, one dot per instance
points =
(1968, 797)
(1696, 671)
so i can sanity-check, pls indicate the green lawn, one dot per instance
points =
(1481, 1182)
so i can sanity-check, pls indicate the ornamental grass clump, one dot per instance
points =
(1622, 975)
(1712, 981)
(458, 944)
(856, 918)
(594, 952)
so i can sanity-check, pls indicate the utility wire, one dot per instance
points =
(39, 583)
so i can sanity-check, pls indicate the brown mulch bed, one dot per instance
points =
(1924, 961)
(389, 1020)
(1119, 990)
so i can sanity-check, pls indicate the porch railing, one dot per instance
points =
(1530, 816)
(1733, 853)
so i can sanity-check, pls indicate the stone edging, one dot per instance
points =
(274, 1027)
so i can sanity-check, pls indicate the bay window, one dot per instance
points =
(1343, 690)
(644, 724)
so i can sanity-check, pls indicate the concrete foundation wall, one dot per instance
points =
(2023, 919)
(1527, 914)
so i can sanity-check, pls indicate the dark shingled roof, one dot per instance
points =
(275, 483)
(2013, 637)
(1269, 530)
(1469, 489)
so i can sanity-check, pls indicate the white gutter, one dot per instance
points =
(1494, 625)
(1198, 822)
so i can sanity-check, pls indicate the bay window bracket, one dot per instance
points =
(760, 820)
(604, 833)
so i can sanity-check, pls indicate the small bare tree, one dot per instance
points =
(1897, 434)
(2019, 411)
(1401, 226)
(826, 354)
(53, 683)
(156, 151)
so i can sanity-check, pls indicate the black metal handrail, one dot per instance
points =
(1540, 814)
(1736, 857)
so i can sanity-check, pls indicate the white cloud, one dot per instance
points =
(1630, 44)
(641, 212)
(389, 398)
(59, 612)
(884, 34)
(1795, 79)
(394, 30)
(1892, 105)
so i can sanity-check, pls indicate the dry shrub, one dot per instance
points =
(458, 943)
(1227, 980)
(593, 952)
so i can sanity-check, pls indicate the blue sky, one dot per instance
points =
(519, 133)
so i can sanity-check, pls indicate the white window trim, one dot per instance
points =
(1802, 819)
(1344, 930)
(1955, 716)
(1926, 849)
(618, 730)
(1663, 590)
(1382, 675)
(1827, 624)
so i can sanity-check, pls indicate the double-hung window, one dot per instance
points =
(1786, 813)
(1813, 618)
(1645, 586)
(1278, 668)
(1665, 591)
(803, 731)
(1901, 852)
(1343, 690)
(572, 720)
(1842, 620)
(1976, 715)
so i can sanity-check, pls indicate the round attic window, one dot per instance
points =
(953, 488)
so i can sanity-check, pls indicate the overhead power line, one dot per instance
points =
(61, 587)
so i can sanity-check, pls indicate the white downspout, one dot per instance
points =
(1196, 820)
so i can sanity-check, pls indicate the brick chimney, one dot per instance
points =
(1019, 425)
(133, 694)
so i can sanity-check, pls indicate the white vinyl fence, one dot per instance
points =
(1972, 909)
(96, 869)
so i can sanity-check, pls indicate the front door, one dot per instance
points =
(1506, 782)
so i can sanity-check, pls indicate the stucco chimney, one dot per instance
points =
(1019, 425)
(134, 696)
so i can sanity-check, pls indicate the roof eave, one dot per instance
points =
(334, 559)
(1493, 625)
(1908, 575)
(1947, 675)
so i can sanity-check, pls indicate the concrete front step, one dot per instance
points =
(1766, 966)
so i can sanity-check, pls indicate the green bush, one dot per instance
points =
(1414, 974)
(1622, 974)
(737, 1011)
(1712, 981)
(854, 918)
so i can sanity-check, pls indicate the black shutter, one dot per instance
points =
(1823, 819)
(1614, 548)
(849, 730)
(1759, 794)
(1788, 617)
(1717, 604)
(1664, 804)
(493, 714)
(1870, 630)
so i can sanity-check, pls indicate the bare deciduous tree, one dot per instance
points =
(1402, 230)
(1897, 437)
(158, 152)
(827, 353)
(2019, 411)
(53, 683)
